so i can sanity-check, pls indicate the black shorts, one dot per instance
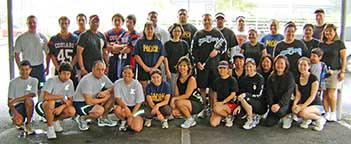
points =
(40, 110)
(82, 108)
(140, 112)
(38, 72)
(20, 108)
(258, 106)
(205, 77)
(196, 106)
(143, 75)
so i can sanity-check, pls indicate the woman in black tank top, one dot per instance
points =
(182, 102)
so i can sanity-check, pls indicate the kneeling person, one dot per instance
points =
(58, 94)
(93, 97)
(129, 96)
(20, 97)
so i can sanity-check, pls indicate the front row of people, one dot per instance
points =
(96, 96)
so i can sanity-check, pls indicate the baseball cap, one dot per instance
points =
(94, 17)
(223, 64)
(220, 14)
(250, 60)
(239, 55)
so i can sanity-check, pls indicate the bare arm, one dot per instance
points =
(159, 61)
(17, 59)
(80, 57)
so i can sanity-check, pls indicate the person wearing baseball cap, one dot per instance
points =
(227, 33)
(91, 46)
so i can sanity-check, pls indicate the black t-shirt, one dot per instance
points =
(93, 45)
(204, 42)
(189, 31)
(224, 87)
(252, 86)
(305, 90)
(293, 52)
(254, 52)
(238, 77)
(280, 89)
(331, 55)
(230, 38)
(317, 31)
(314, 43)
(174, 51)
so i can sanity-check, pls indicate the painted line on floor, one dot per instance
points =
(185, 136)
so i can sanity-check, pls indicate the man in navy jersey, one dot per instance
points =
(63, 47)
(115, 47)
(81, 21)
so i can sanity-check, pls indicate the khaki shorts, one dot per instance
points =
(332, 81)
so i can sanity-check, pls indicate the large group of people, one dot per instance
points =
(180, 72)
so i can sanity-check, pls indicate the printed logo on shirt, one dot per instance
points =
(66, 87)
(132, 91)
(186, 34)
(271, 43)
(208, 39)
(254, 87)
(157, 97)
(292, 51)
(150, 48)
(29, 88)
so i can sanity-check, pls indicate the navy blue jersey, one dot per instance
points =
(130, 39)
(64, 49)
(113, 35)
(149, 51)
(77, 32)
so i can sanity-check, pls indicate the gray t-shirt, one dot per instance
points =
(91, 85)
(31, 46)
(316, 69)
(130, 94)
(56, 87)
(19, 87)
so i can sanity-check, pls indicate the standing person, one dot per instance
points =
(189, 29)
(115, 47)
(149, 54)
(236, 49)
(186, 101)
(208, 44)
(129, 96)
(57, 105)
(309, 41)
(320, 24)
(160, 33)
(225, 88)
(93, 98)
(92, 46)
(31, 45)
(270, 40)
(335, 58)
(20, 97)
(253, 48)
(63, 47)
(240, 32)
(175, 48)
(227, 33)
(158, 95)
(280, 88)
(307, 103)
(129, 39)
(81, 21)
(290, 47)
(251, 98)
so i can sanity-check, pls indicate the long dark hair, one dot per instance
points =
(327, 26)
(287, 65)
(260, 68)
(148, 24)
(188, 63)
(171, 29)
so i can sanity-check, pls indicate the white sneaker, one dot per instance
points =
(305, 124)
(229, 121)
(28, 129)
(82, 124)
(333, 117)
(148, 123)
(57, 126)
(295, 117)
(123, 126)
(188, 123)
(320, 124)
(327, 116)
(165, 124)
(287, 120)
(106, 122)
(51, 132)
(249, 124)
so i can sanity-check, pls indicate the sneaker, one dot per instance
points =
(42, 119)
(202, 114)
(287, 120)
(28, 129)
(229, 121)
(327, 116)
(51, 132)
(82, 124)
(165, 124)
(295, 118)
(21, 127)
(123, 126)
(57, 126)
(320, 124)
(188, 123)
(256, 119)
(249, 124)
(106, 122)
(148, 123)
(333, 117)
(305, 124)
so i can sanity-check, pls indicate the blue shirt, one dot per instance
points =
(270, 41)
(64, 49)
(158, 93)
(149, 51)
